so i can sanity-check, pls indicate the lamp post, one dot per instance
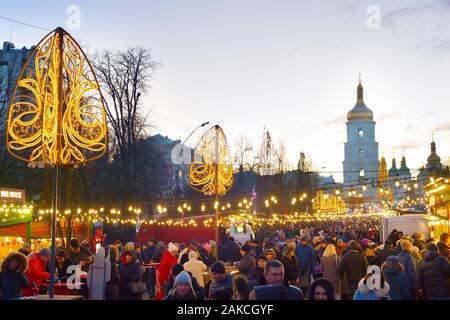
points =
(214, 174)
(56, 115)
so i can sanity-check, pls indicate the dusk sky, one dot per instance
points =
(291, 66)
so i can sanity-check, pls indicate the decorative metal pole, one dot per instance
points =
(56, 115)
(214, 174)
(51, 290)
(216, 183)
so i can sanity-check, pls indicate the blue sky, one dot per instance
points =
(291, 66)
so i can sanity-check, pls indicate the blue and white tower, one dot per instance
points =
(361, 149)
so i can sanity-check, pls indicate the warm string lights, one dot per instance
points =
(14, 211)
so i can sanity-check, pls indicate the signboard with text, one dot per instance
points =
(12, 195)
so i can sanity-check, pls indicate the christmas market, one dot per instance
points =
(231, 152)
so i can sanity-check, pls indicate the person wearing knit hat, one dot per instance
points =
(44, 253)
(182, 288)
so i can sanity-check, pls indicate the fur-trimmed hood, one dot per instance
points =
(21, 259)
(380, 293)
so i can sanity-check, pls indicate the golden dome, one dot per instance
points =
(360, 110)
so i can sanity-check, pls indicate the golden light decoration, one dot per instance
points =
(213, 148)
(56, 115)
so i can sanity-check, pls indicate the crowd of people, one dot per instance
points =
(307, 261)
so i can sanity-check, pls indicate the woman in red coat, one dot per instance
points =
(168, 260)
(36, 269)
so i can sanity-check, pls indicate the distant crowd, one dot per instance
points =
(307, 261)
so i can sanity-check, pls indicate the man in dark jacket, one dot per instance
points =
(221, 278)
(149, 251)
(387, 251)
(443, 244)
(434, 275)
(80, 255)
(393, 237)
(306, 257)
(230, 251)
(354, 265)
(276, 288)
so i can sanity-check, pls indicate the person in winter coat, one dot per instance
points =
(220, 279)
(258, 274)
(384, 253)
(112, 286)
(410, 266)
(195, 267)
(305, 255)
(36, 273)
(207, 255)
(434, 275)
(200, 293)
(246, 268)
(12, 276)
(168, 260)
(130, 272)
(159, 251)
(149, 251)
(330, 268)
(320, 250)
(291, 264)
(182, 288)
(80, 255)
(365, 293)
(61, 265)
(393, 273)
(419, 240)
(276, 287)
(393, 236)
(444, 245)
(353, 265)
(230, 251)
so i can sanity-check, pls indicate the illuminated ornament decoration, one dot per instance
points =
(215, 163)
(56, 115)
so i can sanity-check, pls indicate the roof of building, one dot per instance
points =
(393, 171)
(360, 111)
(404, 170)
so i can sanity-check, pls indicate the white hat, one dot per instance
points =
(172, 247)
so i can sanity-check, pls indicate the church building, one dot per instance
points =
(361, 149)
